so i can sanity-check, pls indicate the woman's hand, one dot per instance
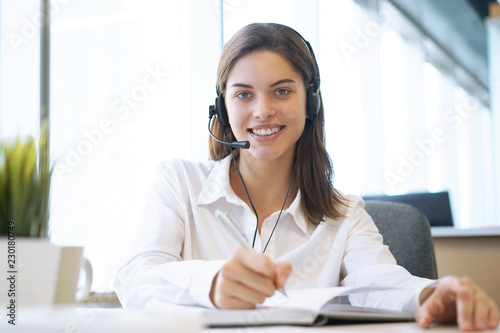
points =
(458, 299)
(247, 279)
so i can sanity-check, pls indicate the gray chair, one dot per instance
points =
(407, 233)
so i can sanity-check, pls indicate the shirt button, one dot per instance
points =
(269, 224)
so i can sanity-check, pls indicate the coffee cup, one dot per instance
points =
(74, 278)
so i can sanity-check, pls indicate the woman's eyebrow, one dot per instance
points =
(244, 85)
(282, 81)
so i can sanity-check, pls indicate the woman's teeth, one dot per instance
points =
(265, 132)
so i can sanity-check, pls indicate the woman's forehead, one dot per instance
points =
(262, 66)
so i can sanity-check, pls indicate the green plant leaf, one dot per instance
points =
(25, 180)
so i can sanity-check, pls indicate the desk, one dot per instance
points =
(100, 320)
(470, 252)
(96, 320)
(383, 328)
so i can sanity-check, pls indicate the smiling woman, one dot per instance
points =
(187, 255)
(263, 62)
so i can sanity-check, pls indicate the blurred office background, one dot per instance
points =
(405, 84)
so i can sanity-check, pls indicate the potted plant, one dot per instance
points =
(32, 261)
(25, 178)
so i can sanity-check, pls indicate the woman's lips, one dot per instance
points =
(264, 134)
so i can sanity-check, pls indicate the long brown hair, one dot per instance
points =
(314, 166)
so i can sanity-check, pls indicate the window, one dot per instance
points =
(340, 53)
(125, 84)
(131, 84)
(19, 68)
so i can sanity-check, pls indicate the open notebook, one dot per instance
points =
(300, 307)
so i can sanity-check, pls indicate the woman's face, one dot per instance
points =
(266, 104)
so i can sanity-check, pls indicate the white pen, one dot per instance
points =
(229, 224)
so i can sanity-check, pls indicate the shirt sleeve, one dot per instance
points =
(367, 261)
(156, 269)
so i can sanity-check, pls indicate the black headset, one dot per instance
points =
(313, 96)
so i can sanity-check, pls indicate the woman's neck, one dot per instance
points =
(267, 183)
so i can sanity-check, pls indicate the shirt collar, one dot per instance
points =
(297, 213)
(218, 186)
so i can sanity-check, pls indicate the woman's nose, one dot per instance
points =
(263, 108)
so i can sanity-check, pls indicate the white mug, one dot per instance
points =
(72, 267)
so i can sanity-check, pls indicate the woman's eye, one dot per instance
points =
(243, 95)
(282, 92)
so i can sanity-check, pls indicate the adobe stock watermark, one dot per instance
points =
(31, 26)
(407, 164)
(302, 271)
(417, 157)
(227, 5)
(80, 320)
(121, 109)
(363, 37)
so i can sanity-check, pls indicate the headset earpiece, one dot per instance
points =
(313, 96)
(313, 103)
(219, 110)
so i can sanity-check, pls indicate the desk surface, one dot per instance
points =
(391, 327)
(99, 320)
(439, 232)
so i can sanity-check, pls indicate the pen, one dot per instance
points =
(229, 224)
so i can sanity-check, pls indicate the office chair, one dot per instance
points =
(407, 233)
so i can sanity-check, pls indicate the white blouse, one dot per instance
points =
(181, 244)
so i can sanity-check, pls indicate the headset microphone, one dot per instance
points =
(234, 144)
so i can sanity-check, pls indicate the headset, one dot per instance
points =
(313, 102)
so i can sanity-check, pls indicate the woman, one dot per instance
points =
(229, 232)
